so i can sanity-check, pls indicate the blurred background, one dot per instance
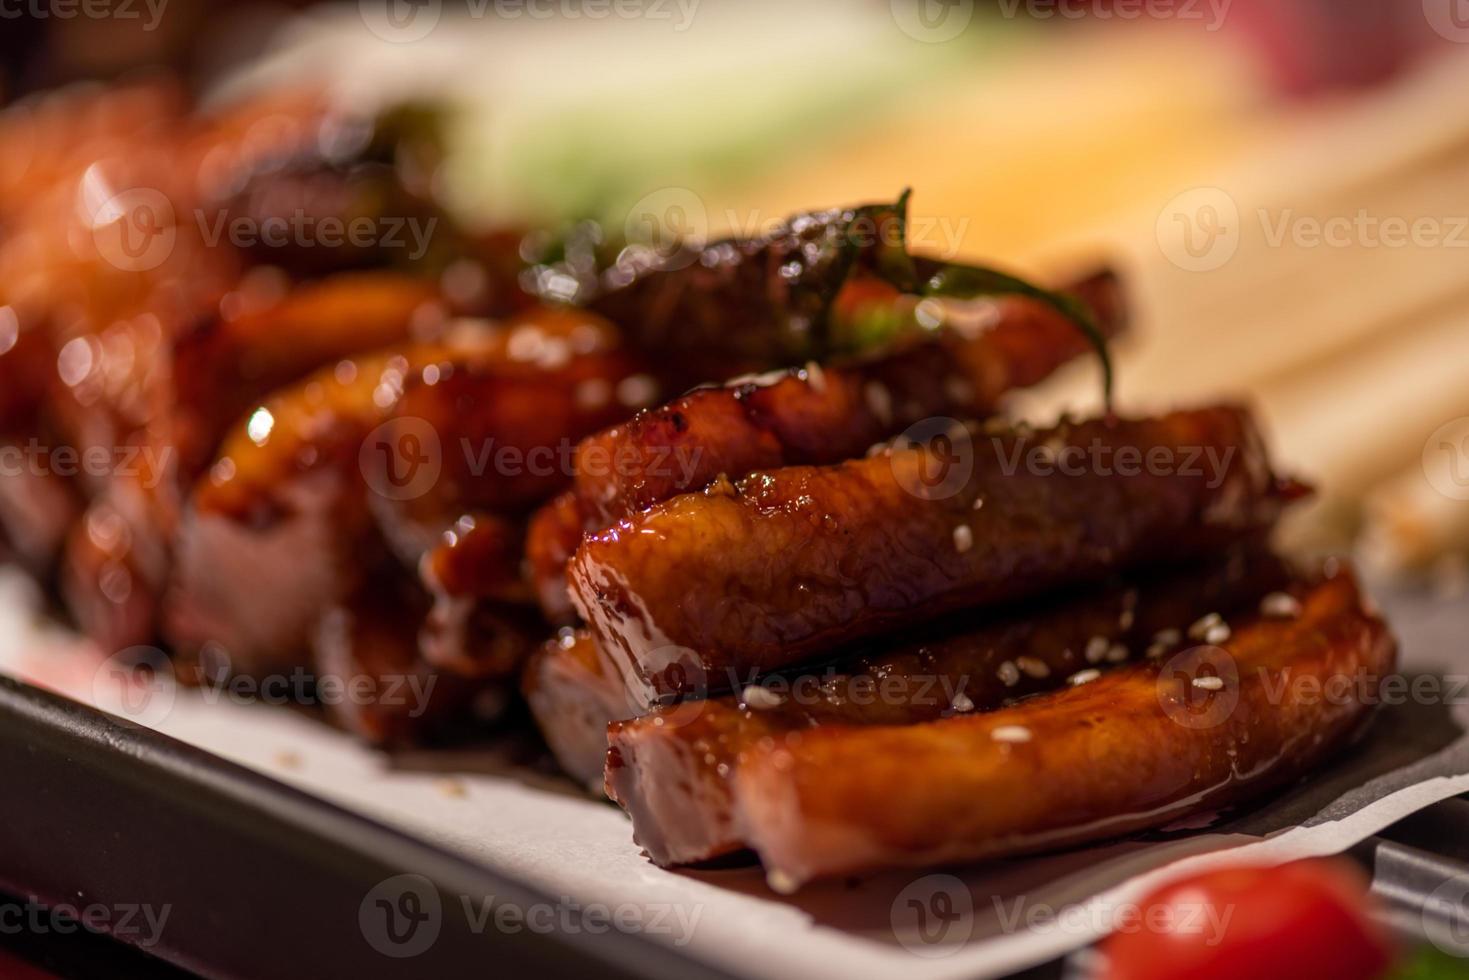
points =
(1282, 184)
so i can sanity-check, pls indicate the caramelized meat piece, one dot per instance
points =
(550, 540)
(481, 639)
(788, 564)
(278, 526)
(340, 191)
(371, 679)
(1136, 747)
(748, 304)
(823, 415)
(574, 692)
(478, 558)
(671, 769)
(405, 438)
(481, 623)
(222, 368)
(505, 423)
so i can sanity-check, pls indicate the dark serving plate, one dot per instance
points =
(258, 879)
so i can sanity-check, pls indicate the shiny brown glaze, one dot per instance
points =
(819, 415)
(671, 769)
(505, 422)
(478, 558)
(278, 526)
(366, 647)
(225, 366)
(786, 565)
(1138, 747)
(299, 497)
(482, 622)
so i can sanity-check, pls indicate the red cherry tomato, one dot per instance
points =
(1305, 919)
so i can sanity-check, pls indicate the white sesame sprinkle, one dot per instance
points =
(1167, 637)
(963, 538)
(1126, 620)
(1084, 676)
(1280, 605)
(1096, 649)
(1032, 667)
(1156, 650)
(1203, 625)
(780, 882)
(978, 503)
(815, 377)
(1217, 634)
(756, 696)
(1011, 733)
(1209, 683)
(1009, 674)
(1117, 653)
(962, 702)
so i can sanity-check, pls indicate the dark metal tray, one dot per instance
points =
(259, 879)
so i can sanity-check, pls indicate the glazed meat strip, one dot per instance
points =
(819, 415)
(202, 382)
(574, 693)
(507, 422)
(369, 675)
(788, 564)
(223, 367)
(1136, 747)
(277, 527)
(160, 356)
(571, 671)
(482, 621)
(672, 770)
(300, 497)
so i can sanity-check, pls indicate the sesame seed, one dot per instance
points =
(1280, 605)
(1032, 667)
(1083, 677)
(815, 377)
(978, 503)
(963, 538)
(1126, 620)
(1203, 625)
(1117, 653)
(1167, 637)
(1217, 634)
(1011, 733)
(781, 882)
(1209, 683)
(962, 703)
(1009, 674)
(1096, 649)
(1156, 650)
(756, 696)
